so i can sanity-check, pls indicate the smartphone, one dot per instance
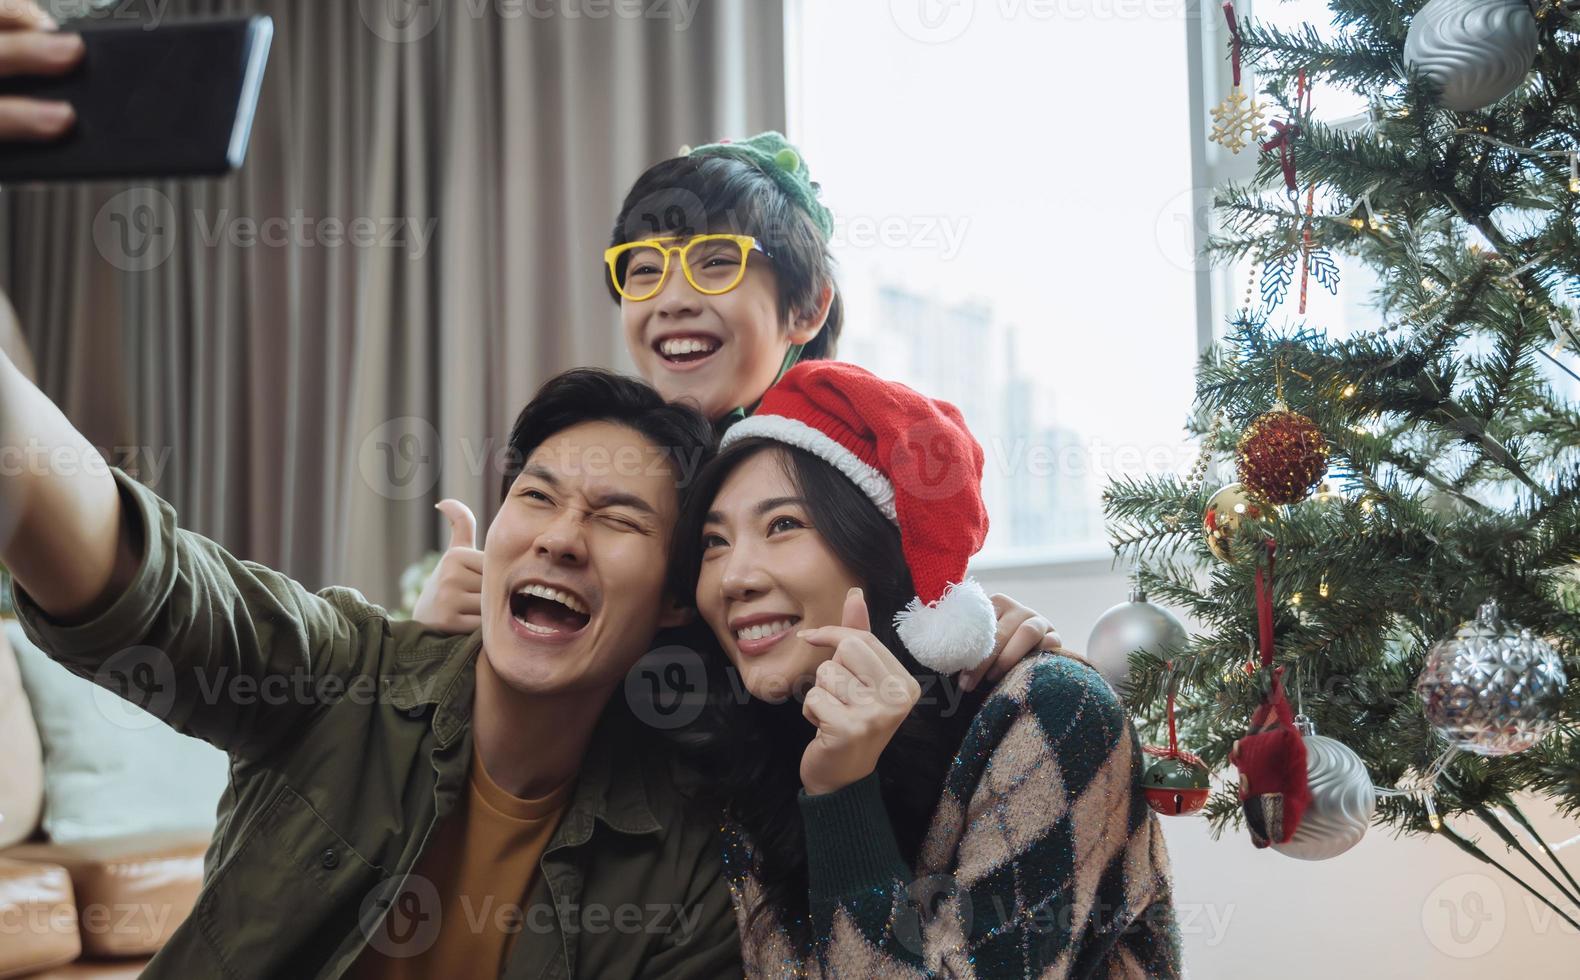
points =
(173, 100)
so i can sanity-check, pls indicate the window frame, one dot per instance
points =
(1211, 166)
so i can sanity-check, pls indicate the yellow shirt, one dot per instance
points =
(461, 910)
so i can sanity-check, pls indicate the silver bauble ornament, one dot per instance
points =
(1342, 799)
(1126, 628)
(1492, 688)
(1476, 51)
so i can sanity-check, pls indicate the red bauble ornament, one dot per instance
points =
(1282, 456)
(1177, 785)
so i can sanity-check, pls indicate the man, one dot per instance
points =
(404, 803)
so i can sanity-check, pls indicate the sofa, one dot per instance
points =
(85, 908)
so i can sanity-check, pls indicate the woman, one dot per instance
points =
(719, 259)
(827, 544)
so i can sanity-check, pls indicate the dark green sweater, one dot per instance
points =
(1042, 859)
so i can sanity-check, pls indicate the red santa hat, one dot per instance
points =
(915, 460)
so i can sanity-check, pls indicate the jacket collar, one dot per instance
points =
(441, 677)
(611, 786)
(611, 783)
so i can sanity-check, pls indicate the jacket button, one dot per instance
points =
(329, 859)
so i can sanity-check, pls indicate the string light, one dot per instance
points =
(1423, 784)
(1480, 132)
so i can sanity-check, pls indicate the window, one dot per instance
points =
(1005, 175)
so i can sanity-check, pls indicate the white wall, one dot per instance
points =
(1391, 907)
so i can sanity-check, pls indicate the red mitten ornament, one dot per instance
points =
(1272, 759)
(1272, 764)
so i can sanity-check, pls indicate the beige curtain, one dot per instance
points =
(304, 357)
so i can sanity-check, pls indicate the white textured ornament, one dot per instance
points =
(1126, 628)
(1493, 688)
(1342, 800)
(1477, 51)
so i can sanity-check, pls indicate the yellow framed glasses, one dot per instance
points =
(713, 264)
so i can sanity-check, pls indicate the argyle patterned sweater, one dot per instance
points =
(1042, 859)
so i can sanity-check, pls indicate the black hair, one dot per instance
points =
(752, 749)
(594, 395)
(691, 196)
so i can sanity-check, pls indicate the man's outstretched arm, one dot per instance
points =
(62, 533)
(110, 586)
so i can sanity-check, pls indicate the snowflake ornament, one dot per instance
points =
(1237, 121)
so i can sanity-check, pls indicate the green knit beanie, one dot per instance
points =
(772, 154)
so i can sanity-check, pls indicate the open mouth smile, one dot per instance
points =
(686, 351)
(759, 637)
(544, 612)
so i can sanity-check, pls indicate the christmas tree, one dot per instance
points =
(1448, 434)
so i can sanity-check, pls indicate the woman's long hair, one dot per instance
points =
(751, 750)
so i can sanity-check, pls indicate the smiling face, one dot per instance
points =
(766, 573)
(573, 565)
(720, 351)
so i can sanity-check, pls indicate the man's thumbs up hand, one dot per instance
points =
(452, 598)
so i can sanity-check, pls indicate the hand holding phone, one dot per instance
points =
(171, 99)
(26, 48)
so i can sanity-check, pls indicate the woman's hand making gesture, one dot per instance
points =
(862, 695)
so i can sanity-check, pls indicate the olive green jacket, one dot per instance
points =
(349, 736)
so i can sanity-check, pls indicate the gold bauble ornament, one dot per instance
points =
(1226, 513)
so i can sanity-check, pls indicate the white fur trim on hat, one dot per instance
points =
(953, 634)
(794, 432)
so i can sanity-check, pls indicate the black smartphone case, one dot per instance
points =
(173, 101)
